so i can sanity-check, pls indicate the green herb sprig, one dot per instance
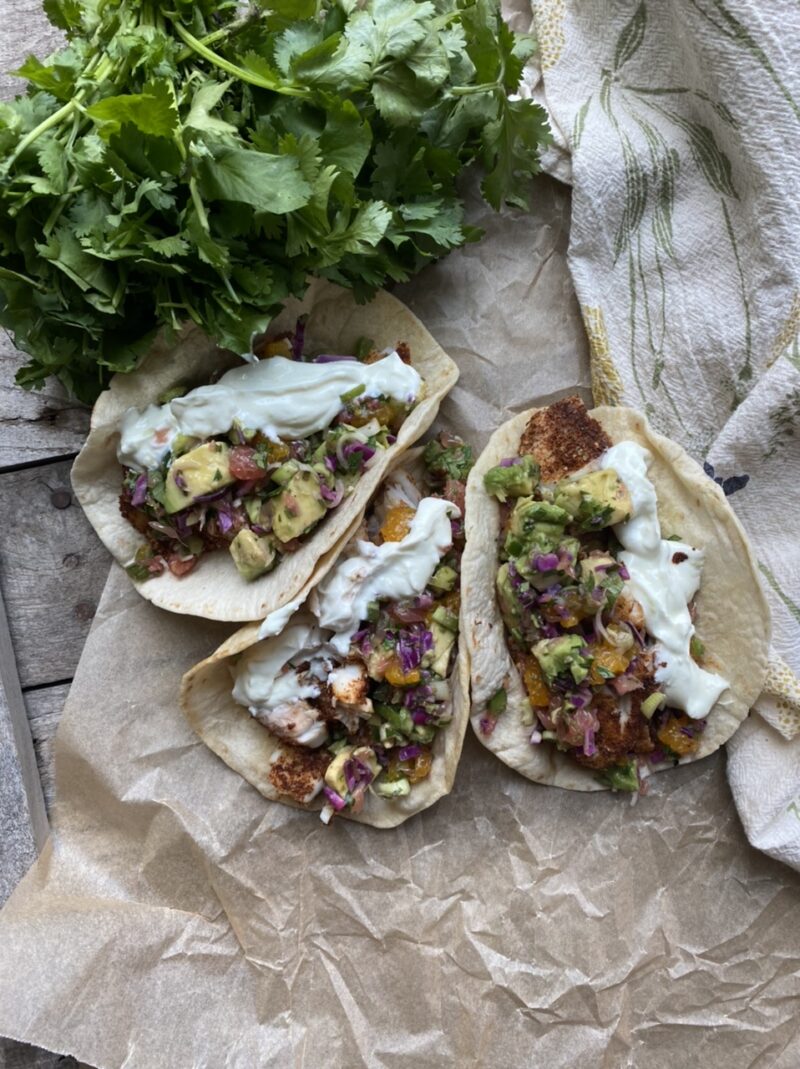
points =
(178, 162)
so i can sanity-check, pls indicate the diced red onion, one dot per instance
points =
(508, 462)
(205, 498)
(408, 753)
(487, 725)
(589, 748)
(623, 571)
(332, 497)
(329, 462)
(391, 439)
(420, 717)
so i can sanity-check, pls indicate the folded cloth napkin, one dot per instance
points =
(678, 124)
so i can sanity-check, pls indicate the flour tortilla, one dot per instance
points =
(732, 615)
(214, 589)
(246, 745)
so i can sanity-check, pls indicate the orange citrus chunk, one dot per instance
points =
(670, 735)
(397, 677)
(614, 660)
(532, 678)
(397, 523)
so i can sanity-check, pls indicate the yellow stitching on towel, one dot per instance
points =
(549, 19)
(606, 382)
(783, 685)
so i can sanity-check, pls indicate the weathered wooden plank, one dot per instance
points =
(35, 425)
(45, 705)
(26, 30)
(23, 818)
(54, 568)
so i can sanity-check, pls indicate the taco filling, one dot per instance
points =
(254, 462)
(599, 614)
(356, 684)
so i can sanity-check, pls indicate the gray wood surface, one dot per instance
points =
(35, 425)
(53, 571)
(23, 819)
(44, 706)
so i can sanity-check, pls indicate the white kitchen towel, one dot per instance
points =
(678, 124)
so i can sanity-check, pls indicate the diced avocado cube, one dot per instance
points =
(621, 777)
(438, 658)
(596, 500)
(285, 472)
(394, 788)
(252, 506)
(556, 656)
(519, 479)
(200, 471)
(298, 507)
(498, 702)
(252, 554)
(444, 578)
(447, 619)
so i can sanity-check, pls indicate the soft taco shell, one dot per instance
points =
(732, 614)
(246, 746)
(214, 589)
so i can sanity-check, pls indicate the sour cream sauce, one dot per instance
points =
(265, 676)
(279, 397)
(390, 571)
(663, 586)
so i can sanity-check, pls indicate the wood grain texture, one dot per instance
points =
(23, 818)
(53, 571)
(44, 707)
(35, 425)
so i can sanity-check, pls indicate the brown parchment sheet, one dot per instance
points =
(178, 919)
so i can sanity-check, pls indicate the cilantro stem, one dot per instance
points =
(232, 68)
(104, 67)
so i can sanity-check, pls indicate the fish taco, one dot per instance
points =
(219, 484)
(353, 699)
(611, 605)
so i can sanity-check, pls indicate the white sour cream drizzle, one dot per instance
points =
(264, 676)
(392, 571)
(282, 398)
(662, 586)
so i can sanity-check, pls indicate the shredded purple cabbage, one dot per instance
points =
(412, 645)
(509, 462)
(332, 358)
(357, 775)
(623, 571)
(139, 491)
(335, 799)
(298, 338)
(408, 753)
(545, 562)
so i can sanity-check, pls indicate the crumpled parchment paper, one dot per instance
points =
(178, 919)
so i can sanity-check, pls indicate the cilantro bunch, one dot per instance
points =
(179, 161)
